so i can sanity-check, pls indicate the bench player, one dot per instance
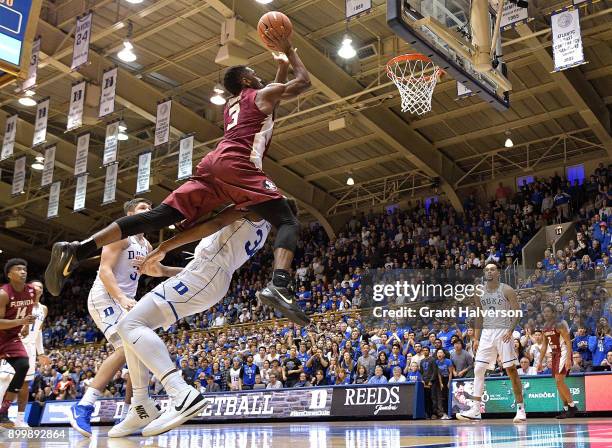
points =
(16, 301)
(493, 338)
(557, 337)
(232, 173)
(110, 298)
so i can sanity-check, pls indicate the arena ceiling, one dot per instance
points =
(554, 119)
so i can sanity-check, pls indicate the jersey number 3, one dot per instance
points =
(233, 112)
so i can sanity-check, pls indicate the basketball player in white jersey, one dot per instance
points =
(110, 299)
(493, 338)
(203, 283)
(33, 343)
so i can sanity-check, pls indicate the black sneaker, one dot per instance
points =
(571, 411)
(563, 414)
(283, 300)
(63, 262)
(5, 421)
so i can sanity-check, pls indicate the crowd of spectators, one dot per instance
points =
(216, 353)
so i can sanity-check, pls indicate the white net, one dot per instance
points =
(415, 77)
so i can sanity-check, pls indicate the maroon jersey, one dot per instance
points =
(247, 130)
(19, 306)
(555, 341)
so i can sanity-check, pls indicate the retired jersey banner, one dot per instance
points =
(40, 125)
(162, 122)
(82, 152)
(47, 174)
(185, 164)
(355, 8)
(77, 102)
(19, 174)
(567, 40)
(110, 184)
(82, 35)
(80, 193)
(463, 91)
(30, 81)
(8, 142)
(512, 15)
(144, 172)
(111, 143)
(54, 198)
(107, 95)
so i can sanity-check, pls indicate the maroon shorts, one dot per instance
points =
(222, 178)
(13, 348)
(558, 363)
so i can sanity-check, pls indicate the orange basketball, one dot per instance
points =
(273, 26)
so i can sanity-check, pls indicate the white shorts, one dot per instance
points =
(31, 349)
(491, 345)
(106, 313)
(189, 293)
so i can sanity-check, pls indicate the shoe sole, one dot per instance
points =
(467, 419)
(519, 420)
(77, 428)
(178, 420)
(51, 273)
(287, 312)
(127, 433)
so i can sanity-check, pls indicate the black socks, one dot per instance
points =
(281, 278)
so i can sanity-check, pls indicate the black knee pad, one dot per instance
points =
(161, 216)
(21, 366)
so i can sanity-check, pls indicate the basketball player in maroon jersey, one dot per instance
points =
(557, 337)
(16, 302)
(231, 174)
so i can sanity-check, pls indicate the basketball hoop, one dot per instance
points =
(415, 76)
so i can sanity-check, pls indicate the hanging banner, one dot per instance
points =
(111, 143)
(82, 152)
(512, 16)
(162, 123)
(54, 198)
(581, 2)
(110, 184)
(463, 91)
(19, 176)
(355, 8)
(144, 172)
(107, 95)
(30, 81)
(185, 164)
(47, 174)
(80, 50)
(8, 142)
(567, 41)
(40, 125)
(80, 193)
(77, 102)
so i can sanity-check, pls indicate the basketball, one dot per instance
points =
(272, 27)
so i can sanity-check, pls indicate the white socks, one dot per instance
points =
(90, 396)
(174, 383)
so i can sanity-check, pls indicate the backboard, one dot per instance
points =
(461, 45)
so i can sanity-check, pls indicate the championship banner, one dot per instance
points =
(567, 40)
(8, 142)
(77, 102)
(110, 184)
(463, 91)
(40, 125)
(47, 174)
(144, 172)
(581, 2)
(185, 163)
(80, 193)
(54, 198)
(111, 143)
(512, 16)
(162, 122)
(107, 95)
(30, 81)
(82, 34)
(82, 151)
(19, 176)
(355, 8)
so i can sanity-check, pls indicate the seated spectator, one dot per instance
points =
(211, 386)
(319, 379)
(274, 383)
(577, 363)
(414, 375)
(259, 384)
(525, 368)
(397, 376)
(361, 375)
(608, 361)
(303, 381)
(379, 377)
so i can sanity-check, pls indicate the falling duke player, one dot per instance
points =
(493, 337)
(203, 283)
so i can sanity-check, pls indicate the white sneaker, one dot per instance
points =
(139, 416)
(184, 406)
(445, 417)
(471, 414)
(21, 424)
(521, 416)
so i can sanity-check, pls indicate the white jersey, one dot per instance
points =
(34, 337)
(230, 247)
(495, 301)
(125, 272)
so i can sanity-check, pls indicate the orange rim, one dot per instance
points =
(412, 57)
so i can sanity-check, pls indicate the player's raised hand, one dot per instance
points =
(280, 58)
(154, 258)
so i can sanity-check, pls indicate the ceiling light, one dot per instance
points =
(27, 101)
(29, 93)
(134, 2)
(122, 136)
(40, 159)
(127, 55)
(122, 127)
(172, 227)
(217, 99)
(347, 51)
(37, 166)
(264, 2)
(508, 143)
(350, 181)
(1, 251)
